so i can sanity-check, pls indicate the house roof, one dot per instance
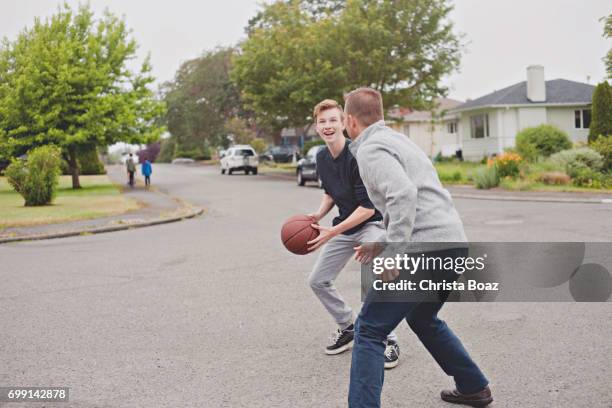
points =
(558, 91)
(443, 104)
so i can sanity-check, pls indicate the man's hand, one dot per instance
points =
(364, 253)
(325, 234)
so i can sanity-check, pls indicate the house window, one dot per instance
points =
(452, 127)
(582, 118)
(479, 126)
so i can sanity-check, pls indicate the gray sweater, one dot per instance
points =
(404, 186)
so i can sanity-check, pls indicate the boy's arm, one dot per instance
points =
(327, 203)
(357, 217)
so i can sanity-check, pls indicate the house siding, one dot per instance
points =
(431, 142)
(563, 118)
(475, 149)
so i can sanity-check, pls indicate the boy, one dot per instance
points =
(358, 221)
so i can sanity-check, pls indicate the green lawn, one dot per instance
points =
(98, 198)
(457, 172)
(278, 167)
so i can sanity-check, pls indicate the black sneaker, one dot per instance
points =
(392, 353)
(342, 340)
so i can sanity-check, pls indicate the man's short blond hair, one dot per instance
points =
(365, 105)
(324, 105)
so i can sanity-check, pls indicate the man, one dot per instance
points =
(403, 184)
(146, 170)
(131, 169)
(357, 221)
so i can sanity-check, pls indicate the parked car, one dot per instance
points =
(240, 158)
(307, 167)
(281, 154)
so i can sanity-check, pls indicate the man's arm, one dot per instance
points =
(384, 175)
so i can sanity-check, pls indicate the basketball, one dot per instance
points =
(296, 232)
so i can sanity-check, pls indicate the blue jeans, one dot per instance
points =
(377, 319)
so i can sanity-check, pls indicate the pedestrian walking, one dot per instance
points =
(131, 169)
(146, 170)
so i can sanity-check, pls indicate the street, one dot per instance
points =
(214, 312)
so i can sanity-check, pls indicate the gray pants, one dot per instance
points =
(333, 257)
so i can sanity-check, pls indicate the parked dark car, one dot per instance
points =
(281, 154)
(307, 167)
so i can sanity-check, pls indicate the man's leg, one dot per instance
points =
(332, 259)
(444, 346)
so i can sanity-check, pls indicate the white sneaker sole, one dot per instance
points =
(392, 364)
(339, 350)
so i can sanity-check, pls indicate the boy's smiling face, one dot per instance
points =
(330, 125)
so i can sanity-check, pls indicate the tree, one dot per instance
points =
(296, 55)
(201, 99)
(239, 130)
(608, 34)
(601, 118)
(65, 81)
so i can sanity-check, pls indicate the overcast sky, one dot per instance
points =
(503, 36)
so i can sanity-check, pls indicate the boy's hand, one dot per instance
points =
(325, 234)
(315, 216)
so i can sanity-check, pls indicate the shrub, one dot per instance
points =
(603, 146)
(166, 150)
(585, 177)
(601, 117)
(89, 161)
(259, 145)
(448, 177)
(556, 178)
(543, 140)
(36, 177)
(196, 153)
(310, 144)
(486, 178)
(575, 160)
(508, 164)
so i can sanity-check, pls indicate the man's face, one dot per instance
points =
(351, 126)
(329, 125)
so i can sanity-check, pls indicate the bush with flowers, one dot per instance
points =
(507, 164)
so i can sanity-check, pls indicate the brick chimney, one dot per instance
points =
(536, 85)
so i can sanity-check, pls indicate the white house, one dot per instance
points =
(433, 131)
(489, 124)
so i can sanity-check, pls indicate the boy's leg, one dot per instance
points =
(332, 259)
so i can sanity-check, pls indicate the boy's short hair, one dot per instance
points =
(365, 104)
(324, 105)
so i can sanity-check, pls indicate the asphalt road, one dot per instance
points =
(213, 312)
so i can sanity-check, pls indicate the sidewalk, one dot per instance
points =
(498, 194)
(155, 208)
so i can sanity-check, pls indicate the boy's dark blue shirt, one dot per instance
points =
(342, 182)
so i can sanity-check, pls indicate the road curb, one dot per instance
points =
(534, 199)
(100, 230)
(493, 197)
